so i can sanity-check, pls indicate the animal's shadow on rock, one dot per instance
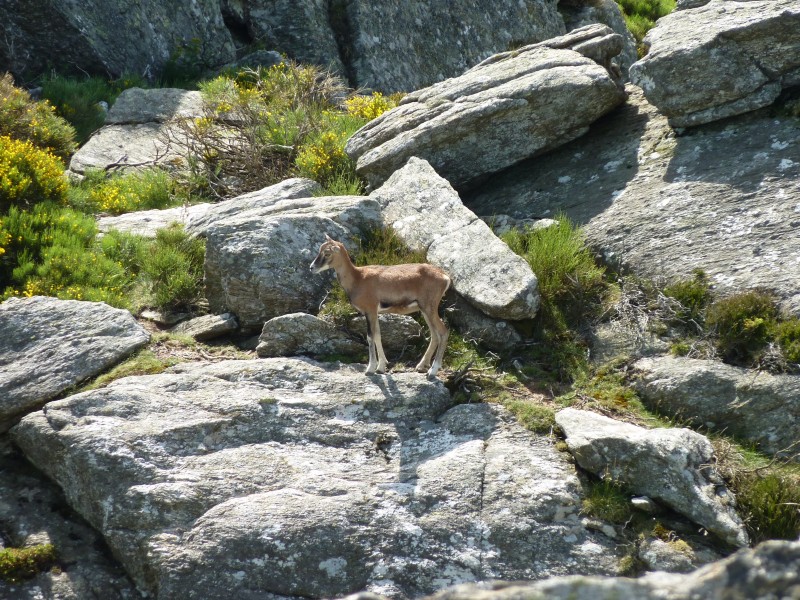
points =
(430, 437)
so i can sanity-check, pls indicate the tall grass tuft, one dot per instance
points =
(570, 281)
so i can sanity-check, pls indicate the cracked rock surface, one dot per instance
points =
(280, 478)
(724, 197)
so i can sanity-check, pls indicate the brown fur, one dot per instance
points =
(398, 289)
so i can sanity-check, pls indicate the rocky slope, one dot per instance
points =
(285, 477)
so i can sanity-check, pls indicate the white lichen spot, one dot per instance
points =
(564, 179)
(592, 548)
(612, 166)
(786, 164)
(334, 567)
(776, 145)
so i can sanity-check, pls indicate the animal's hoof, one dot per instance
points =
(423, 368)
(431, 374)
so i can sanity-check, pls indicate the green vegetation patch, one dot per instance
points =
(767, 490)
(122, 193)
(693, 295)
(23, 118)
(18, 564)
(77, 99)
(607, 500)
(641, 16)
(571, 283)
(741, 325)
(54, 251)
(267, 124)
(173, 267)
(533, 416)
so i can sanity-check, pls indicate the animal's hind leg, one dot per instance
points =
(376, 338)
(439, 331)
(425, 363)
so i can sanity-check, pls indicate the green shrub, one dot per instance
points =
(25, 119)
(787, 334)
(694, 296)
(17, 564)
(126, 249)
(571, 284)
(770, 504)
(128, 192)
(321, 156)
(371, 107)
(53, 252)
(742, 324)
(264, 125)
(30, 233)
(173, 268)
(28, 175)
(256, 122)
(77, 101)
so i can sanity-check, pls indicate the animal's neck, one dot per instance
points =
(347, 273)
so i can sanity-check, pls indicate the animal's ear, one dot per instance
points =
(329, 238)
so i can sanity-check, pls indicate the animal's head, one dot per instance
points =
(327, 255)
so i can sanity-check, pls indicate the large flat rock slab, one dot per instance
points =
(428, 215)
(723, 197)
(283, 478)
(196, 218)
(48, 345)
(509, 107)
(721, 59)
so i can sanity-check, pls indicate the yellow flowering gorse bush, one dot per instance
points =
(28, 174)
(23, 118)
(323, 157)
(371, 107)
